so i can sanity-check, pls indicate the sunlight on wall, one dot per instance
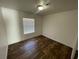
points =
(11, 18)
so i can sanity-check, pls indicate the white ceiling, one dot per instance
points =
(30, 5)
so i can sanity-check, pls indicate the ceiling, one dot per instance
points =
(30, 5)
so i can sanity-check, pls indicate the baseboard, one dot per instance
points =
(37, 36)
(23, 40)
(57, 41)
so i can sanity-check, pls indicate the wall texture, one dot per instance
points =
(62, 27)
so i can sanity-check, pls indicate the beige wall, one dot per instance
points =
(61, 27)
(3, 38)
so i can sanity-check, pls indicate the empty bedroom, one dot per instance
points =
(38, 29)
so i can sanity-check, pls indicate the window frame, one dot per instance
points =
(33, 26)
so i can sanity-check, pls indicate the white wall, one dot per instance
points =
(61, 27)
(3, 38)
(11, 18)
(14, 25)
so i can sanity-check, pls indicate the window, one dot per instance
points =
(29, 25)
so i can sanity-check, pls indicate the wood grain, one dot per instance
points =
(39, 47)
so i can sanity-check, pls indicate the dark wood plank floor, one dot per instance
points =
(39, 48)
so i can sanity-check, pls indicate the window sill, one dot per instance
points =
(29, 33)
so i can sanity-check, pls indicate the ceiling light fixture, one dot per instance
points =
(40, 7)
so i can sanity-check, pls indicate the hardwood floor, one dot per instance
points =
(39, 48)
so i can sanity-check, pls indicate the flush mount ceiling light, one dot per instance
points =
(40, 7)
